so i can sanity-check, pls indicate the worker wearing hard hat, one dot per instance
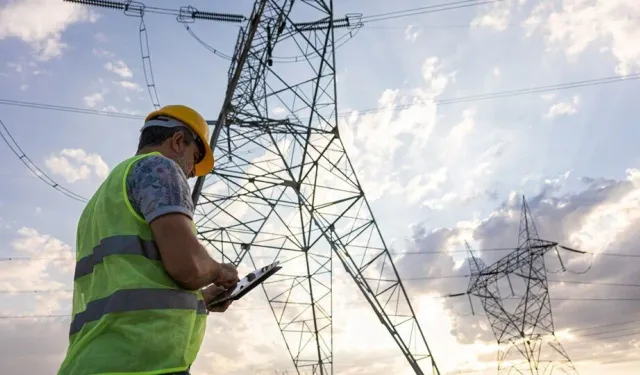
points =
(142, 279)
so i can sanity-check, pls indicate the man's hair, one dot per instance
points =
(156, 135)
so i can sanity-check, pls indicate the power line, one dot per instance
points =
(426, 10)
(35, 291)
(146, 63)
(463, 99)
(595, 283)
(70, 109)
(187, 13)
(431, 252)
(370, 19)
(607, 325)
(276, 59)
(608, 331)
(33, 167)
(402, 253)
(348, 303)
(28, 291)
(509, 93)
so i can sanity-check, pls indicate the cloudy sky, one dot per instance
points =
(436, 173)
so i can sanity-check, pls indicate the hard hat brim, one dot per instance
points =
(206, 164)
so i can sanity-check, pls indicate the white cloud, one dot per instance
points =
(128, 85)
(100, 38)
(605, 215)
(93, 99)
(49, 254)
(41, 23)
(604, 224)
(119, 68)
(496, 71)
(497, 18)
(579, 24)
(24, 87)
(103, 53)
(111, 108)
(378, 142)
(15, 66)
(278, 111)
(421, 185)
(440, 203)
(76, 164)
(460, 131)
(411, 33)
(547, 97)
(564, 108)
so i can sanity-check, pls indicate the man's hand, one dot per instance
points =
(227, 276)
(211, 292)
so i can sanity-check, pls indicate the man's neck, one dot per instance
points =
(148, 150)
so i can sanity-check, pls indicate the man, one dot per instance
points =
(138, 299)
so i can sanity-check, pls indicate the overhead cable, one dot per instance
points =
(146, 65)
(508, 93)
(403, 253)
(33, 167)
(341, 41)
(347, 303)
(426, 10)
(463, 99)
(361, 21)
(70, 109)
(205, 45)
(136, 9)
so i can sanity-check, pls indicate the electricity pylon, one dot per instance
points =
(527, 343)
(284, 188)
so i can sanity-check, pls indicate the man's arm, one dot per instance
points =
(159, 192)
(183, 257)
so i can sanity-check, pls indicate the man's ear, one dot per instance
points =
(177, 141)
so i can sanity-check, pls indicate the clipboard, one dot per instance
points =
(246, 284)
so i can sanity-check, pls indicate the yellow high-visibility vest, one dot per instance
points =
(129, 317)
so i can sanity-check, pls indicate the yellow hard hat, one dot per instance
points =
(198, 124)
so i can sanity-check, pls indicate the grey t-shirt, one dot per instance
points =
(157, 186)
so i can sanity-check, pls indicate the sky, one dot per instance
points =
(436, 174)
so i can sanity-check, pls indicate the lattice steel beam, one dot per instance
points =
(284, 188)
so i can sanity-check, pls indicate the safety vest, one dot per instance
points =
(129, 317)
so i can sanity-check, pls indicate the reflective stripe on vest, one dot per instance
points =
(137, 299)
(117, 245)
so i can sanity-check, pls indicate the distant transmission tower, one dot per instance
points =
(524, 329)
(284, 188)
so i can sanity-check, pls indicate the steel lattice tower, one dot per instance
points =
(284, 188)
(524, 329)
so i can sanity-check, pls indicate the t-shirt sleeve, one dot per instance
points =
(157, 186)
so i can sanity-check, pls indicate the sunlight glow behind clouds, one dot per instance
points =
(378, 141)
(605, 223)
(576, 25)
